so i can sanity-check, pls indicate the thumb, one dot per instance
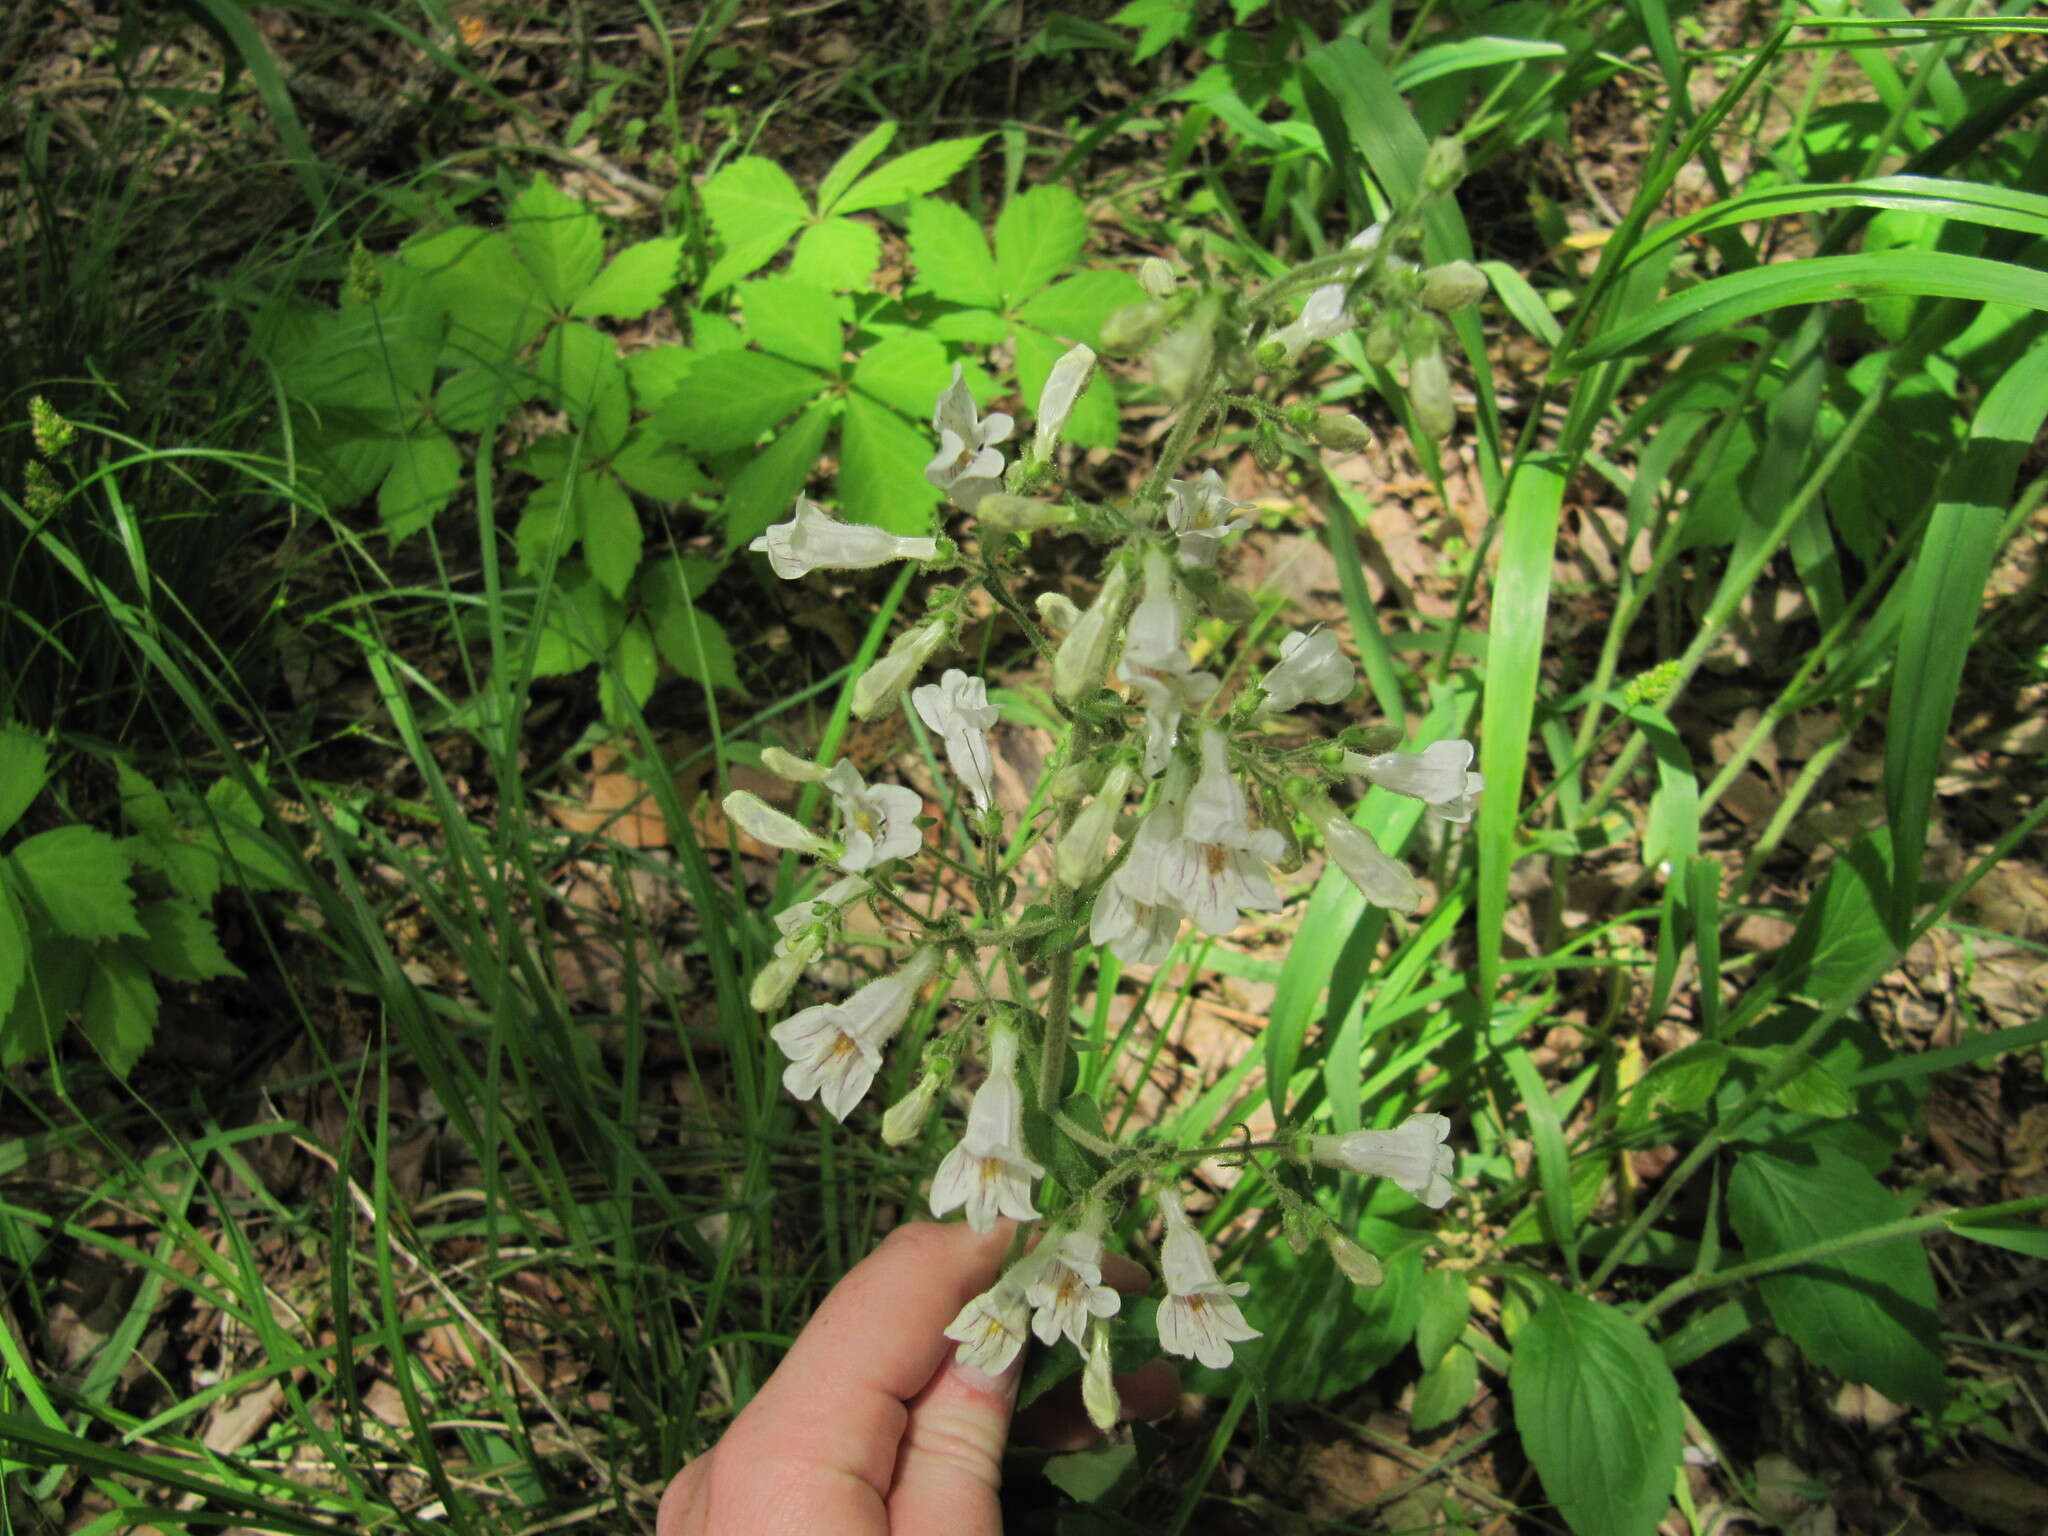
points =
(950, 1463)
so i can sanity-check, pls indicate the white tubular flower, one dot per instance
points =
(989, 1171)
(835, 1049)
(1439, 776)
(813, 911)
(877, 823)
(1136, 932)
(1203, 854)
(1168, 693)
(762, 822)
(814, 540)
(1202, 517)
(1098, 1382)
(1154, 637)
(1311, 668)
(1085, 848)
(990, 1329)
(957, 708)
(967, 467)
(1413, 1155)
(802, 928)
(1082, 661)
(1324, 316)
(1069, 1291)
(1380, 879)
(1216, 811)
(1063, 386)
(1199, 1318)
(882, 684)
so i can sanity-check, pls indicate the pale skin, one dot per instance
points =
(869, 1427)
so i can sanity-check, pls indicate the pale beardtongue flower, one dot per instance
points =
(1323, 316)
(762, 822)
(882, 684)
(1199, 1319)
(1058, 610)
(1439, 776)
(1068, 1292)
(1063, 386)
(877, 822)
(1312, 669)
(824, 907)
(989, 1171)
(1380, 879)
(814, 540)
(957, 708)
(967, 466)
(1136, 932)
(1202, 517)
(802, 929)
(1153, 639)
(1413, 1155)
(991, 1328)
(1201, 853)
(835, 1049)
(1168, 692)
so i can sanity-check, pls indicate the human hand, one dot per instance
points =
(869, 1427)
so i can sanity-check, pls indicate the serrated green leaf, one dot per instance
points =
(881, 469)
(1076, 306)
(580, 366)
(1687, 1077)
(143, 806)
(611, 531)
(977, 327)
(695, 646)
(657, 470)
(1867, 1314)
(579, 625)
(1039, 234)
(633, 282)
(24, 770)
(49, 994)
(181, 943)
(680, 578)
(487, 292)
(634, 668)
(1816, 1091)
(847, 168)
(951, 255)
(1599, 1415)
(1446, 1304)
(766, 488)
(1092, 1476)
(755, 208)
(467, 397)
(78, 878)
(838, 255)
(252, 853)
(911, 175)
(548, 526)
(1159, 21)
(729, 399)
(119, 1012)
(654, 371)
(426, 472)
(558, 238)
(14, 947)
(795, 320)
(1445, 1390)
(906, 371)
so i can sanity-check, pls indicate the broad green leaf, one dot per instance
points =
(559, 238)
(548, 527)
(1092, 1476)
(1446, 1304)
(634, 668)
(755, 208)
(795, 320)
(1816, 1091)
(678, 578)
(1841, 934)
(611, 530)
(1445, 1390)
(426, 472)
(1325, 1335)
(950, 255)
(881, 469)
(78, 877)
(1599, 1415)
(1039, 234)
(487, 291)
(911, 175)
(182, 944)
(256, 857)
(972, 327)
(1159, 21)
(1722, 303)
(1075, 307)
(2019, 1236)
(49, 994)
(847, 168)
(580, 366)
(695, 646)
(1867, 1314)
(1671, 831)
(143, 806)
(839, 255)
(119, 1012)
(467, 397)
(1686, 1078)
(13, 946)
(580, 623)
(633, 282)
(728, 399)
(765, 490)
(657, 470)
(907, 371)
(654, 371)
(24, 769)
(1885, 1108)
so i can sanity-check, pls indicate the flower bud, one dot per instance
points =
(1443, 167)
(1429, 392)
(1082, 661)
(882, 684)
(787, 765)
(1133, 326)
(773, 982)
(1266, 450)
(1085, 849)
(1098, 1383)
(1001, 512)
(1454, 285)
(1184, 356)
(1383, 341)
(905, 1119)
(1356, 1261)
(1058, 610)
(1071, 783)
(1155, 276)
(761, 821)
(1345, 433)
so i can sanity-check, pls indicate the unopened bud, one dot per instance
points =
(775, 979)
(1357, 1263)
(1184, 356)
(904, 1121)
(1098, 1382)
(1058, 610)
(1443, 167)
(1452, 286)
(1133, 326)
(1085, 848)
(1071, 783)
(1343, 432)
(1082, 661)
(1429, 392)
(1001, 512)
(1383, 341)
(1266, 450)
(1155, 276)
(787, 765)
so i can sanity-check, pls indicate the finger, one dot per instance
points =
(951, 1462)
(836, 1405)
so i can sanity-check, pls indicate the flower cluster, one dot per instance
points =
(1178, 799)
